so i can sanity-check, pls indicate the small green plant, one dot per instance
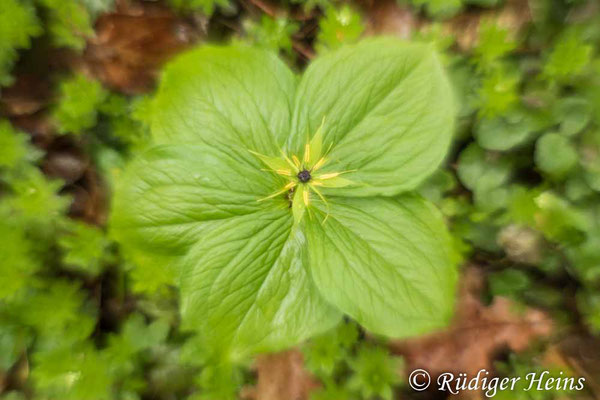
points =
(272, 33)
(207, 7)
(18, 25)
(242, 198)
(338, 26)
(80, 98)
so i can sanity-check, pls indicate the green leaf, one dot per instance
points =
(568, 58)
(13, 343)
(375, 372)
(135, 336)
(330, 392)
(509, 282)
(272, 33)
(80, 98)
(481, 170)
(588, 302)
(84, 247)
(494, 42)
(72, 373)
(208, 7)
(246, 286)
(555, 155)
(200, 205)
(15, 148)
(57, 313)
(18, 24)
(168, 197)
(441, 9)
(498, 93)
(385, 262)
(388, 112)
(18, 263)
(573, 114)
(338, 27)
(69, 22)
(559, 220)
(505, 132)
(590, 158)
(324, 354)
(244, 281)
(434, 188)
(236, 95)
(36, 201)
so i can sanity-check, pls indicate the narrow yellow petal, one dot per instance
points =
(295, 168)
(318, 192)
(283, 190)
(316, 145)
(274, 163)
(335, 182)
(298, 207)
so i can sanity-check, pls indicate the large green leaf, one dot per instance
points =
(194, 208)
(233, 95)
(247, 288)
(187, 211)
(385, 262)
(388, 112)
(168, 197)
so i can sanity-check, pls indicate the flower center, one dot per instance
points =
(304, 176)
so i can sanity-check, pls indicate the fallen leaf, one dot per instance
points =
(387, 17)
(27, 95)
(132, 43)
(581, 352)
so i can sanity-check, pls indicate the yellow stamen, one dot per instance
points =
(296, 161)
(305, 197)
(285, 172)
(306, 153)
(333, 174)
(294, 166)
(319, 164)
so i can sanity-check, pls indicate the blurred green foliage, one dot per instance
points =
(521, 191)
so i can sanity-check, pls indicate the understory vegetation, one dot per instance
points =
(519, 190)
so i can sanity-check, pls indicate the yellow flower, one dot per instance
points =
(303, 174)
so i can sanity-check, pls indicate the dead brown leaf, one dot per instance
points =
(281, 376)
(387, 17)
(26, 96)
(132, 43)
(581, 352)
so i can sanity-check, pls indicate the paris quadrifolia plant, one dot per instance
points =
(279, 203)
